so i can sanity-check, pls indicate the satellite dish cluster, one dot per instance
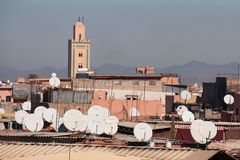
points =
(97, 121)
(203, 131)
(8, 82)
(186, 115)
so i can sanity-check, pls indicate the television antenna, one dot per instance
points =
(33, 123)
(143, 132)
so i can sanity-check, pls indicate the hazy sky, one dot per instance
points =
(160, 33)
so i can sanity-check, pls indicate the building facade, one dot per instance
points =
(78, 50)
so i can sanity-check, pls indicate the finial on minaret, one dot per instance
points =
(79, 19)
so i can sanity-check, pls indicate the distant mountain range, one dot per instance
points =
(190, 72)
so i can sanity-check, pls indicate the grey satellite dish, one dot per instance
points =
(71, 120)
(98, 111)
(181, 109)
(208, 130)
(2, 111)
(54, 82)
(195, 131)
(40, 111)
(27, 106)
(96, 125)
(228, 99)
(187, 116)
(50, 115)
(20, 116)
(185, 95)
(134, 112)
(34, 123)
(143, 132)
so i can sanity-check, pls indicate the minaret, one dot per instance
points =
(78, 50)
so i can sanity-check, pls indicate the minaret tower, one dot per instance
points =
(78, 50)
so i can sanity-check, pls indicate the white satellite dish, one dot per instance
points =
(195, 131)
(208, 130)
(20, 116)
(187, 116)
(40, 111)
(134, 112)
(54, 82)
(54, 74)
(1, 83)
(2, 111)
(72, 120)
(228, 99)
(112, 119)
(181, 109)
(110, 128)
(98, 111)
(143, 132)
(50, 115)
(26, 106)
(185, 95)
(96, 126)
(33, 123)
(8, 81)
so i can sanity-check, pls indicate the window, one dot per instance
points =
(80, 55)
(135, 83)
(152, 83)
(80, 66)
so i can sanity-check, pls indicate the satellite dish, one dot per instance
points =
(195, 131)
(54, 82)
(112, 119)
(50, 115)
(26, 106)
(168, 144)
(40, 111)
(228, 99)
(110, 128)
(1, 83)
(134, 112)
(98, 111)
(72, 120)
(185, 95)
(143, 132)
(20, 116)
(33, 123)
(8, 81)
(54, 74)
(187, 116)
(181, 109)
(96, 126)
(2, 111)
(208, 130)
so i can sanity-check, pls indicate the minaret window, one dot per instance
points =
(80, 55)
(80, 66)
(80, 37)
